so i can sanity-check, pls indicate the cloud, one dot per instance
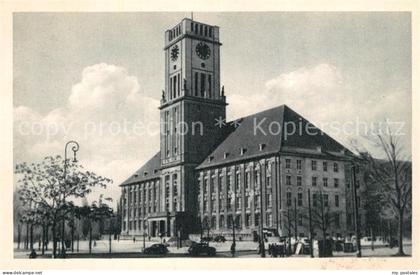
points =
(327, 98)
(115, 124)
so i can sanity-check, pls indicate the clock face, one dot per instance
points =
(202, 50)
(174, 52)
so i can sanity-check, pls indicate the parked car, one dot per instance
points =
(220, 239)
(206, 239)
(197, 249)
(156, 249)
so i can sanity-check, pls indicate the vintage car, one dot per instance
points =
(197, 249)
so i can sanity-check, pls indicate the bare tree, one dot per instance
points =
(393, 176)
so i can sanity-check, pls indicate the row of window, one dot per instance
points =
(238, 184)
(317, 199)
(237, 220)
(236, 203)
(314, 165)
(229, 221)
(175, 86)
(175, 32)
(203, 85)
(170, 125)
(325, 181)
(142, 194)
(202, 30)
(132, 225)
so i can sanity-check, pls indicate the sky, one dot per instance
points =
(92, 76)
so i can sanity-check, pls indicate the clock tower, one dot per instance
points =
(192, 103)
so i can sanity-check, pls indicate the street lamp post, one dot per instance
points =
(75, 148)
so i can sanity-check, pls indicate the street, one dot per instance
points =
(130, 249)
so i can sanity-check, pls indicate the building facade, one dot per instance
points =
(251, 173)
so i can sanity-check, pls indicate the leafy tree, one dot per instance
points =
(43, 184)
(95, 213)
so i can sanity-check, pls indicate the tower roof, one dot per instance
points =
(269, 132)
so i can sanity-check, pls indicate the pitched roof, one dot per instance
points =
(268, 132)
(149, 170)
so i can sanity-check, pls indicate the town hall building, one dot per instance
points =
(251, 173)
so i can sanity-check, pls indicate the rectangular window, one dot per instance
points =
(314, 181)
(269, 200)
(288, 163)
(238, 203)
(212, 189)
(288, 180)
(300, 220)
(196, 84)
(170, 88)
(174, 86)
(337, 220)
(247, 219)
(222, 221)
(337, 201)
(228, 185)
(257, 219)
(238, 182)
(289, 198)
(314, 200)
(205, 187)
(229, 204)
(247, 204)
(205, 206)
(313, 165)
(269, 219)
(325, 166)
(299, 164)
(325, 182)
(220, 188)
(325, 200)
(299, 181)
(300, 199)
(335, 167)
(336, 183)
(257, 202)
(247, 178)
(175, 185)
(209, 84)
(202, 84)
(268, 179)
(179, 84)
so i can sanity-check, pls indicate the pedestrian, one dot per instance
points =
(134, 239)
(232, 249)
(33, 254)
